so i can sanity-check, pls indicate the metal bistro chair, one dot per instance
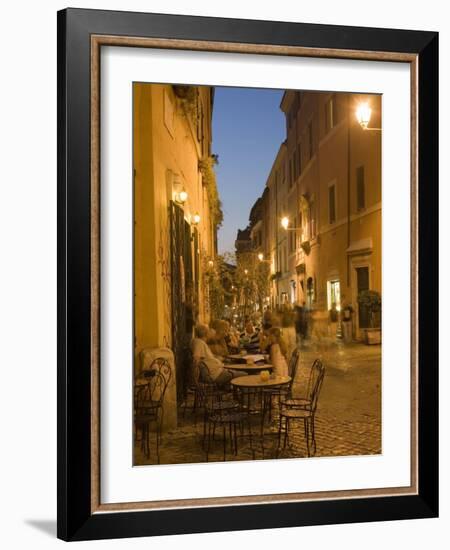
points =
(162, 365)
(284, 392)
(294, 362)
(149, 408)
(191, 385)
(197, 389)
(303, 409)
(220, 410)
(209, 393)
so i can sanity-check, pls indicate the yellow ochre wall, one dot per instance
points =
(166, 159)
(336, 154)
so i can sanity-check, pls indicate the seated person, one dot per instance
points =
(264, 336)
(232, 339)
(211, 368)
(217, 343)
(250, 338)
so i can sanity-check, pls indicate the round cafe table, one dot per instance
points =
(254, 382)
(250, 368)
(236, 357)
(141, 381)
(249, 358)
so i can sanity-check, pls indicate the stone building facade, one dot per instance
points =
(176, 213)
(326, 180)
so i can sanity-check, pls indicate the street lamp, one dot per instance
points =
(285, 225)
(196, 219)
(182, 196)
(262, 260)
(363, 114)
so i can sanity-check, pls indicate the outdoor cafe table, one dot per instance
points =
(144, 379)
(250, 368)
(254, 382)
(141, 381)
(238, 358)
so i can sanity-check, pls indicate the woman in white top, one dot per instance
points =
(277, 352)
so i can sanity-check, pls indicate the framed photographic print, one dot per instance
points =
(247, 268)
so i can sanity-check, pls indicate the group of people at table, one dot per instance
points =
(214, 344)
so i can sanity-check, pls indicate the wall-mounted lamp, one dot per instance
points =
(363, 114)
(262, 260)
(182, 196)
(285, 225)
(195, 220)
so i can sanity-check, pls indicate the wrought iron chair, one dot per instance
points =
(304, 401)
(149, 408)
(294, 362)
(191, 385)
(283, 392)
(220, 410)
(303, 409)
(223, 398)
(163, 366)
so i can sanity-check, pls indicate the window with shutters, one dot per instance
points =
(292, 238)
(299, 152)
(312, 221)
(332, 203)
(291, 175)
(310, 140)
(292, 170)
(330, 114)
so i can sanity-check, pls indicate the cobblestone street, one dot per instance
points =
(348, 418)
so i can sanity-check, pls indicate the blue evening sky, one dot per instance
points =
(248, 128)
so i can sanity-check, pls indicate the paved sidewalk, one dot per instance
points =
(348, 418)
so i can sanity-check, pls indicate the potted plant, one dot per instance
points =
(371, 301)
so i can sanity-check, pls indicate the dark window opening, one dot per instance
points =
(332, 204)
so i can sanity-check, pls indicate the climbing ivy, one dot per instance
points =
(206, 166)
(188, 98)
(212, 269)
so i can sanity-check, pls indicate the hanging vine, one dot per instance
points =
(165, 273)
(206, 167)
(187, 96)
(212, 270)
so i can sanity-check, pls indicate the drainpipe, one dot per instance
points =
(276, 236)
(297, 192)
(348, 187)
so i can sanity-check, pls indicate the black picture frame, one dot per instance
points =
(75, 518)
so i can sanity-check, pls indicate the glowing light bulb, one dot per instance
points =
(363, 113)
(285, 222)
